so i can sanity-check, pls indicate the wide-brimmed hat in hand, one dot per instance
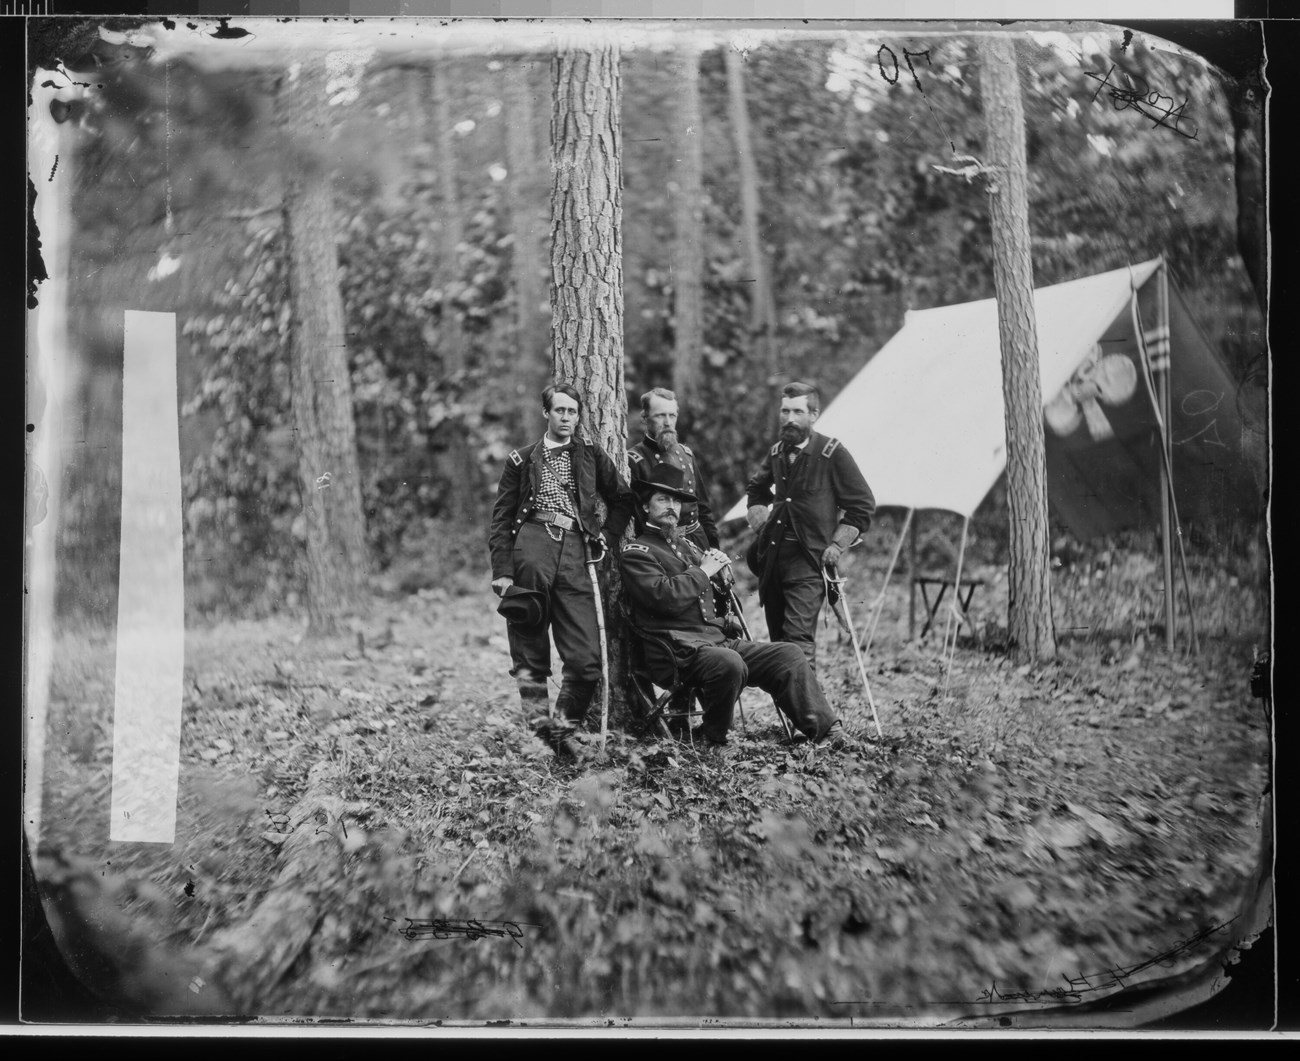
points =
(524, 608)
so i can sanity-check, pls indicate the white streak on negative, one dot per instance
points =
(151, 595)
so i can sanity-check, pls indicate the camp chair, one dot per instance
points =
(653, 710)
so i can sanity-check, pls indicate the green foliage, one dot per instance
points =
(242, 493)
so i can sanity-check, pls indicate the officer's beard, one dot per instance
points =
(667, 438)
(794, 434)
(667, 524)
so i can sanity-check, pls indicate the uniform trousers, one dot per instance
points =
(559, 570)
(719, 673)
(793, 606)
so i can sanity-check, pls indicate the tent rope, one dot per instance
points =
(1148, 380)
(879, 606)
(954, 616)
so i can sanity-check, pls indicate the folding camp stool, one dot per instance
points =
(963, 593)
(653, 709)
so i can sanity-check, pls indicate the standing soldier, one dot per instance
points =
(544, 528)
(808, 502)
(660, 446)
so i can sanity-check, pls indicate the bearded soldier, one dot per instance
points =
(660, 445)
(667, 580)
(808, 502)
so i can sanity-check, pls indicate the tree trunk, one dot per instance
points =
(532, 367)
(337, 563)
(451, 340)
(462, 470)
(762, 319)
(688, 214)
(1246, 104)
(1030, 603)
(587, 272)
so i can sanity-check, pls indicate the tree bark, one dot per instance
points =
(532, 367)
(1246, 104)
(587, 272)
(1030, 603)
(762, 318)
(337, 562)
(451, 339)
(688, 215)
(464, 489)
(250, 958)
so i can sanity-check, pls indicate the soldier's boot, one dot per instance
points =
(535, 697)
(574, 700)
(571, 704)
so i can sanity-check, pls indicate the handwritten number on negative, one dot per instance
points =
(908, 56)
(881, 63)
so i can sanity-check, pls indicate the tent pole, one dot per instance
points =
(1163, 413)
(911, 574)
(1167, 322)
(893, 562)
(1166, 478)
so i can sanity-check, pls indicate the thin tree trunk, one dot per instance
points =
(337, 562)
(688, 213)
(463, 473)
(1030, 602)
(587, 271)
(762, 319)
(451, 340)
(532, 368)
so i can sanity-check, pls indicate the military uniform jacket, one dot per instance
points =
(594, 475)
(820, 490)
(642, 459)
(669, 593)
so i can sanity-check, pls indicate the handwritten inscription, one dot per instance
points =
(1075, 987)
(1115, 977)
(1148, 102)
(908, 56)
(440, 928)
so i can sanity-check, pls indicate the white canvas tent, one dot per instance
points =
(924, 418)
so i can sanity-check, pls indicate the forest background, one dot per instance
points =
(439, 178)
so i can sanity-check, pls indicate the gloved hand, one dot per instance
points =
(844, 537)
(713, 561)
(599, 546)
(757, 516)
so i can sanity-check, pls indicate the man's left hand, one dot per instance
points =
(831, 555)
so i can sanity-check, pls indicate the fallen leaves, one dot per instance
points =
(1030, 814)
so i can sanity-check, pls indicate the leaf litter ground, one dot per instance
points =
(1020, 835)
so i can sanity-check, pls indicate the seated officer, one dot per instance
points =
(667, 581)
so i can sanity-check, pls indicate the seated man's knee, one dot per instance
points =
(725, 663)
(790, 653)
(795, 654)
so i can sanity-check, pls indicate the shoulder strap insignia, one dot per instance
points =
(515, 459)
(634, 455)
(775, 450)
(634, 547)
(687, 450)
(831, 446)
